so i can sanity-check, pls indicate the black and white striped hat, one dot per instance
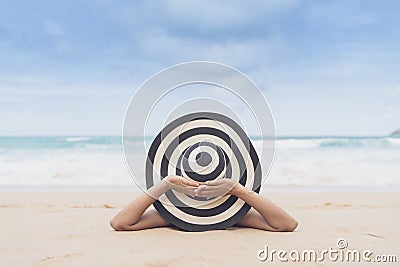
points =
(203, 146)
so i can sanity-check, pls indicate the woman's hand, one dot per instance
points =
(216, 188)
(181, 184)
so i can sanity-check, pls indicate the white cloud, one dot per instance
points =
(396, 90)
(196, 16)
(307, 55)
(246, 53)
(52, 28)
(341, 14)
(392, 113)
(224, 14)
(355, 59)
(64, 47)
(13, 86)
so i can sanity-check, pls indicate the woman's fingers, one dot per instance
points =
(183, 188)
(200, 191)
(179, 181)
(209, 191)
(211, 194)
(187, 182)
(189, 192)
(207, 188)
(214, 182)
(222, 181)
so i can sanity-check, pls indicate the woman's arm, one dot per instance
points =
(268, 217)
(133, 217)
(265, 214)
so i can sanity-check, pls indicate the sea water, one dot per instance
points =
(99, 161)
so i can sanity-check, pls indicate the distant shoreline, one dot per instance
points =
(151, 136)
(265, 188)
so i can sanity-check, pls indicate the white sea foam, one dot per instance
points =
(349, 167)
(301, 161)
(394, 141)
(297, 143)
(77, 139)
(336, 162)
(63, 167)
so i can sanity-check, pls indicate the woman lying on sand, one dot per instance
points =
(263, 215)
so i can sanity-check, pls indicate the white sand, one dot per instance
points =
(71, 229)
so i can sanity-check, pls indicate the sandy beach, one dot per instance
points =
(100, 99)
(71, 229)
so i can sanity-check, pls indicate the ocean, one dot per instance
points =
(299, 161)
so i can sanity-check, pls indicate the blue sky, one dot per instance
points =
(326, 67)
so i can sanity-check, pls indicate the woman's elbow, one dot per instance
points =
(290, 226)
(117, 225)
